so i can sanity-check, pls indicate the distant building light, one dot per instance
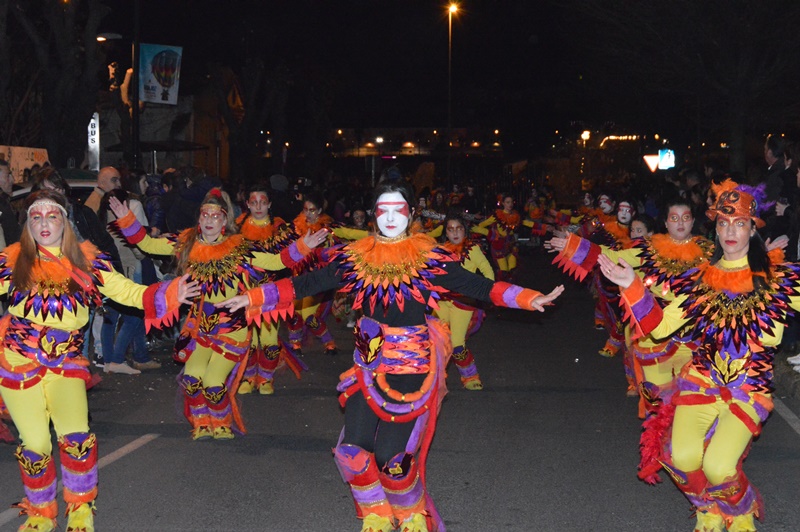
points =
(369, 145)
(723, 145)
(619, 137)
(497, 144)
(408, 144)
(475, 144)
(379, 140)
(496, 131)
(286, 144)
(339, 131)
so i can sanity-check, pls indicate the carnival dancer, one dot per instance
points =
(52, 280)
(213, 344)
(660, 261)
(459, 312)
(273, 235)
(499, 230)
(311, 312)
(392, 394)
(736, 306)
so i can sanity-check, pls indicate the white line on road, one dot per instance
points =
(786, 413)
(13, 513)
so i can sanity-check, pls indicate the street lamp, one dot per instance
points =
(451, 10)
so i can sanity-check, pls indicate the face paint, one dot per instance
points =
(455, 232)
(624, 213)
(391, 214)
(46, 224)
(605, 204)
(734, 236)
(259, 204)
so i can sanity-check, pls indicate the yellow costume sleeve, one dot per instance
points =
(436, 232)
(121, 289)
(479, 262)
(350, 233)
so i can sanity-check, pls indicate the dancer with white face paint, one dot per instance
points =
(393, 392)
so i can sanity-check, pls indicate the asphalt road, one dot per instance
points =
(550, 444)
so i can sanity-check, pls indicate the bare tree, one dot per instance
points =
(63, 75)
(727, 65)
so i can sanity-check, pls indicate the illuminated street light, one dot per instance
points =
(451, 10)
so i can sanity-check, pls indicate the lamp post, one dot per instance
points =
(451, 10)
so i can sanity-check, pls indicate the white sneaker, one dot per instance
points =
(794, 360)
(120, 367)
(796, 368)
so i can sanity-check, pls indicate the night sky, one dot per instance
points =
(385, 61)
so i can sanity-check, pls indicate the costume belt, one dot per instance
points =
(46, 349)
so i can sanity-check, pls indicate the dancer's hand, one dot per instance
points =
(555, 244)
(621, 274)
(779, 243)
(187, 290)
(316, 239)
(117, 207)
(235, 303)
(540, 302)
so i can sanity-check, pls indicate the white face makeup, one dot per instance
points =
(46, 224)
(605, 204)
(391, 214)
(624, 213)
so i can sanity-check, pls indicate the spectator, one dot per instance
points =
(773, 155)
(108, 179)
(8, 216)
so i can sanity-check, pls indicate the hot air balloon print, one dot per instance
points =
(165, 66)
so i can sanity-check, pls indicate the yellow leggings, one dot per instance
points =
(730, 439)
(458, 319)
(209, 366)
(267, 334)
(507, 263)
(307, 306)
(55, 398)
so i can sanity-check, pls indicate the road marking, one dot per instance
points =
(9, 515)
(786, 413)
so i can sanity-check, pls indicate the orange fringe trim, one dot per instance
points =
(511, 220)
(669, 249)
(621, 233)
(738, 282)
(253, 231)
(203, 252)
(45, 270)
(458, 249)
(301, 225)
(406, 251)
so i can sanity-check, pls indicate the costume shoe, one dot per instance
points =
(38, 523)
(376, 523)
(473, 384)
(415, 523)
(202, 432)
(223, 433)
(81, 519)
(709, 522)
(245, 387)
(266, 388)
(743, 523)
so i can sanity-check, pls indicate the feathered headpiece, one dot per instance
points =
(739, 201)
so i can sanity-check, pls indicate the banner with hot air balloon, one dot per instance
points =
(159, 73)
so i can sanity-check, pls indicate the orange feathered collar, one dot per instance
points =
(378, 254)
(507, 219)
(621, 233)
(738, 281)
(301, 225)
(46, 270)
(205, 252)
(668, 248)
